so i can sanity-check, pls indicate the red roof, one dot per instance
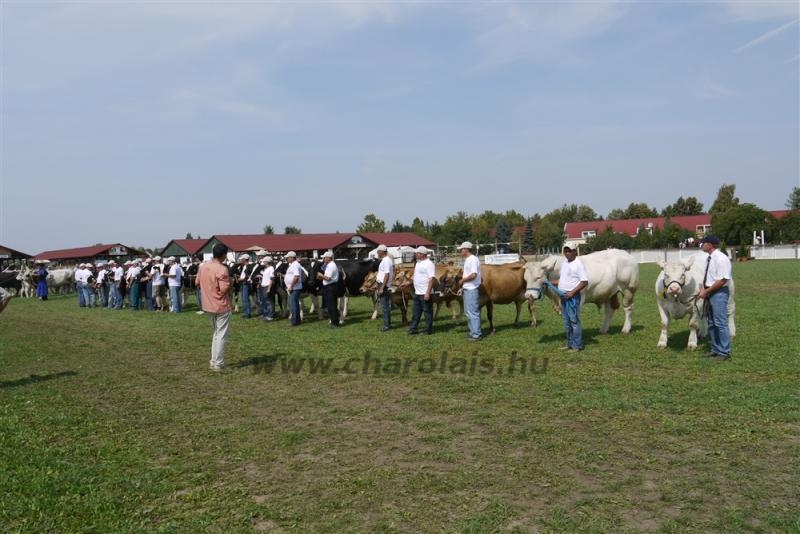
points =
(397, 239)
(191, 246)
(286, 242)
(82, 252)
(574, 230)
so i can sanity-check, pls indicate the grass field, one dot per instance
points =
(111, 421)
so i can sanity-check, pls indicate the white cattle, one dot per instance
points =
(26, 277)
(60, 278)
(610, 272)
(676, 293)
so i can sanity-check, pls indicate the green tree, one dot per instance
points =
(269, 230)
(502, 234)
(787, 228)
(735, 226)
(400, 227)
(371, 224)
(635, 210)
(726, 199)
(456, 228)
(528, 246)
(608, 238)
(793, 203)
(292, 230)
(571, 213)
(683, 206)
(420, 227)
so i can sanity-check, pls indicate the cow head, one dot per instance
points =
(674, 277)
(535, 276)
(450, 280)
(370, 283)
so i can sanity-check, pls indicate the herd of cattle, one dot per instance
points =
(612, 273)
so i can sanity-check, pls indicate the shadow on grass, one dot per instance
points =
(589, 335)
(32, 379)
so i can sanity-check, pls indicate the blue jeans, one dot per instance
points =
(133, 295)
(175, 298)
(115, 301)
(90, 296)
(265, 304)
(199, 299)
(473, 312)
(80, 289)
(102, 291)
(718, 322)
(572, 321)
(421, 304)
(386, 307)
(245, 291)
(151, 304)
(294, 306)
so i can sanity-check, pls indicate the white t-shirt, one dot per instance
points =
(80, 275)
(158, 276)
(266, 276)
(292, 271)
(118, 274)
(719, 267)
(572, 273)
(386, 267)
(332, 272)
(472, 265)
(177, 272)
(133, 273)
(101, 276)
(423, 271)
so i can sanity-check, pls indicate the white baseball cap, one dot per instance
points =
(244, 257)
(382, 248)
(157, 258)
(421, 250)
(291, 254)
(570, 245)
(465, 244)
(171, 258)
(261, 252)
(267, 259)
(328, 254)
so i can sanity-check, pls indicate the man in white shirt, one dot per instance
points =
(572, 280)
(384, 282)
(330, 287)
(244, 272)
(470, 282)
(174, 282)
(267, 280)
(424, 273)
(716, 292)
(116, 292)
(159, 283)
(102, 287)
(294, 285)
(80, 284)
(134, 289)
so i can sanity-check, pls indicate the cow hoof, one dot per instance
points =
(662, 345)
(691, 347)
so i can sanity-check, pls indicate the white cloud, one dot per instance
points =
(537, 31)
(766, 36)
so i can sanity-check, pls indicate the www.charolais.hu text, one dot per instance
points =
(373, 365)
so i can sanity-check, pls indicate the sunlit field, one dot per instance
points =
(112, 421)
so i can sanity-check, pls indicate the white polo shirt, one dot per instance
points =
(424, 270)
(386, 267)
(158, 276)
(118, 273)
(332, 272)
(266, 276)
(719, 268)
(572, 273)
(177, 272)
(472, 265)
(292, 271)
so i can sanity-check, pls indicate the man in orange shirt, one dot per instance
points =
(215, 286)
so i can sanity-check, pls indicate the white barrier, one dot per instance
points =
(775, 252)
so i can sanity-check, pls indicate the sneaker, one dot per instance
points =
(412, 332)
(470, 338)
(216, 368)
(710, 354)
(722, 357)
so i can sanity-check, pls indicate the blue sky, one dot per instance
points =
(140, 122)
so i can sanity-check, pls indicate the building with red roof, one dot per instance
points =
(94, 253)
(183, 247)
(345, 245)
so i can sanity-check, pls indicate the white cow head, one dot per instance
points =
(674, 277)
(535, 275)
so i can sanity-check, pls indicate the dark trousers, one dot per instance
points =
(294, 306)
(386, 307)
(332, 302)
(420, 305)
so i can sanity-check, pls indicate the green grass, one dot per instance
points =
(111, 421)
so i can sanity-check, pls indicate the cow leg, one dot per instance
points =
(490, 315)
(732, 317)
(344, 302)
(609, 312)
(460, 304)
(696, 321)
(532, 311)
(374, 307)
(627, 305)
(662, 340)
(518, 306)
(436, 308)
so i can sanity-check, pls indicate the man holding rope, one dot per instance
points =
(715, 292)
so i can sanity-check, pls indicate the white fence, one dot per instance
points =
(769, 252)
(776, 252)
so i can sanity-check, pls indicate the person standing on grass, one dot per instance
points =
(572, 281)
(330, 287)
(265, 287)
(132, 279)
(470, 282)
(715, 292)
(118, 280)
(41, 282)
(213, 279)
(245, 271)
(384, 281)
(79, 275)
(102, 288)
(424, 273)
(159, 284)
(294, 285)
(175, 282)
